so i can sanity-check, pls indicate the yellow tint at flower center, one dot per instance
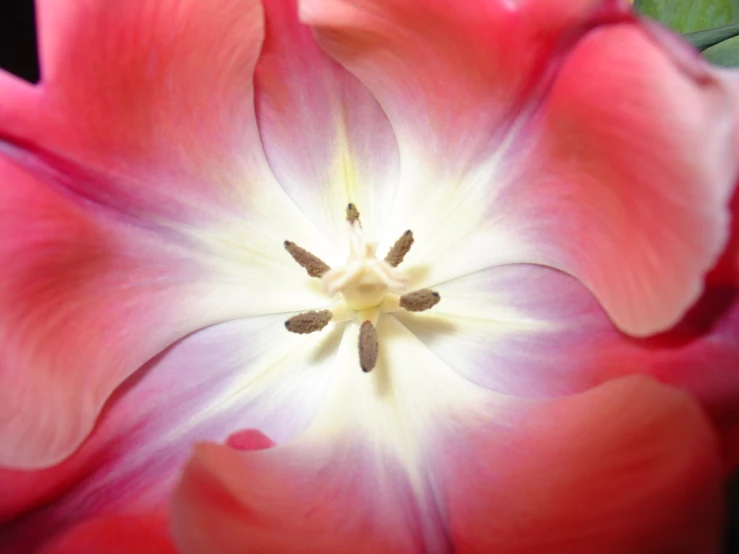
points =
(364, 283)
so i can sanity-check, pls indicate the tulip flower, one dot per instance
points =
(375, 276)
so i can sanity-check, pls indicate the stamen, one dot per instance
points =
(368, 346)
(420, 300)
(309, 322)
(352, 213)
(365, 284)
(312, 264)
(400, 249)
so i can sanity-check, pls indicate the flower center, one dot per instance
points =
(366, 285)
(363, 281)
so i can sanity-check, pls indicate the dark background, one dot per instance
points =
(18, 39)
(18, 55)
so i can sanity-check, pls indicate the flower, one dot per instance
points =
(565, 171)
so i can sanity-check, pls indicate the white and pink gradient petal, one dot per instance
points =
(327, 139)
(533, 331)
(86, 301)
(147, 108)
(354, 481)
(644, 476)
(117, 244)
(520, 330)
(455, 78)
(89, 298)
(510, 155)
(209, 386)
(451, 76)
(628, 177)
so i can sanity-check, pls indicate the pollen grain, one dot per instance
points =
(352, 213)
(368, 346)
(308, 322)
(401, 247)
(420, 300)
(312, 264)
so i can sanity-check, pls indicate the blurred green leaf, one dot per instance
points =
(725, 53)
(687, 16)
(706, 39)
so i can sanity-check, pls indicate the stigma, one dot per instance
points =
(364, 287)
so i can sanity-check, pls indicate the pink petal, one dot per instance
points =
(22, 490)
(86, 301)
(18, 99)
(700, 355)
(726, 270)
(307, 498)
(629, 467)
(147, 106)
(249, 439)
(216, 384)
(629, 179)
(326, 138)
(143, 534)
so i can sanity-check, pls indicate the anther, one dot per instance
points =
(312, 264)
(368, 346)
(309, 322)
(352, 213)
(420, 300)
(400, 249)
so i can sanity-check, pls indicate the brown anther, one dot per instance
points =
(312, 264)
(352, 213)
(368, 346)
(420, 300)
(309, 322)
(400, 249)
